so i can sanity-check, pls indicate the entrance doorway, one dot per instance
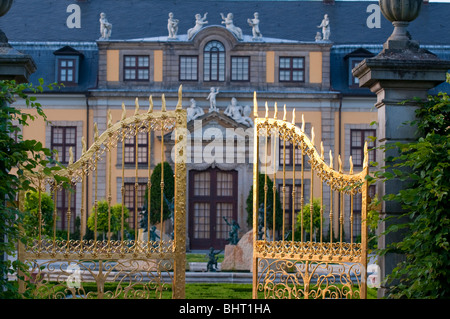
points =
(212, 196)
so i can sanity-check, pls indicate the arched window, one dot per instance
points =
(214, 61)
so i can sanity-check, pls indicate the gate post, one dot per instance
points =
(255, 197)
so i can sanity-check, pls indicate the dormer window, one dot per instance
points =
(354, 58)
(67, 66)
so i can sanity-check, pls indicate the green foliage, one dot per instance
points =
(307, 220)
(155, 197)
(31, 214)
(102, 217)
(17, 158)
(278, 210)
(425, 164)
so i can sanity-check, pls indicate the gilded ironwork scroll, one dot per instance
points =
(322, 253)
(120, 266)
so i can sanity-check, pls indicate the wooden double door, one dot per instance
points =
(213, 195)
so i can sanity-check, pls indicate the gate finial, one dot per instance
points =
(70, 156)
(255, 105)
(180, 93)
(163, 106)
(303, 123)
(312, 135)
(366, 156)
(340, 163)
(284, 115)
(267, 111)
(136, 110)
(275, 114)
(293, 116)
(150, 104)
(95, 132)
(331, 160)
(83, 145)
(351, 164)
(109, 118)
(124, 112)
(321, 150)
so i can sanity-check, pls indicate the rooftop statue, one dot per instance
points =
(199, 23)
(212, 99)
(238, 113)
(194, 111)
(254, 23)
(325, 25)
(228, 21)
(105, 27)
(172, 26)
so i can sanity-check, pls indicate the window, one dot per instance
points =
(292, 69)
(354, 81)
(357, 139)
(214, 61)
(136, 68)
(142, 150)
(130, 201)
(289, 200)
(289, 160)
(62, 139)
(188, 68)
(67, 71)
(240, 68)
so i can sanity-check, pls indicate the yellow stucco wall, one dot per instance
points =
(112, 65)
(315, 67)
(158, 65)
(270, 67)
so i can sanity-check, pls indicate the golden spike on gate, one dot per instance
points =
(284, 115)
(366, 155)
(179, 103)
(136, 103)
(312, 135)
(351, 164)
(124, 112)
(267, 111)
(95, 132)
(70, 156)
(150, 104)
(255, 105)
(293, 116)
(109, 119)
(83, 145)
(303, 123)
(163, 106)
(275, 113)
(331, 160)
(340, 163)
(321, 150)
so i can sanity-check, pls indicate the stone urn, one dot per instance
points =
(400, 13)
(5, 5)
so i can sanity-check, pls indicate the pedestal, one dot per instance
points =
(240, 256)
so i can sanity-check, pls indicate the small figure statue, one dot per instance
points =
(153, 235)
(172, 26)
(325, 25)
(318, 36)
(194, 111)
(212, 99)
(199, 23)
(105, 27)
(254, 23)
(239, 114)
(233, 239)
(228, 21)
(212, 260)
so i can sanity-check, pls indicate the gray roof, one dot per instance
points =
(45, 20)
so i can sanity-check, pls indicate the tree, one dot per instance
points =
(31, 214)
(425, 164)
(115, 222)
(18, 157)
(269, 204)
(155, 195)
(307, 220)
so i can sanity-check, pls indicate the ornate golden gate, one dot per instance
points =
(138, 268)
(322, 266)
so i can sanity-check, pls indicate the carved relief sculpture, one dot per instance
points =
(238, 113)
(199, 23)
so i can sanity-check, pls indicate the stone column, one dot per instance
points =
(401, 71)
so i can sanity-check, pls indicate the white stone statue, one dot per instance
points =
(325, 25)
(228, 21)
(318, 36)
(194, 111)
(212, 99)
(172, 26)
(238, 113)
(254, 23)
(105, 27)
(199, 23)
